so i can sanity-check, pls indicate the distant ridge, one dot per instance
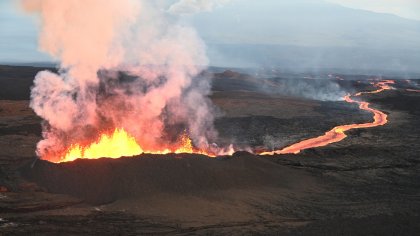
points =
(31, 64)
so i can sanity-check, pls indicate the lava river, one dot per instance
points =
(338, 133)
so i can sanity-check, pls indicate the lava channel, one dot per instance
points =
(338, 133)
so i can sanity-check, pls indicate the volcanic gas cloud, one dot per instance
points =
(129, 75)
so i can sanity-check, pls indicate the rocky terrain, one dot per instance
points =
(368, 184)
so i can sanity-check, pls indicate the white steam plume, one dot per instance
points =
(95, 40)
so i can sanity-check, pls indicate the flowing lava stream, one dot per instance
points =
(338, 133)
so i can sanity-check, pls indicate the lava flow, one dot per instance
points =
(338, 133)
(119, 144)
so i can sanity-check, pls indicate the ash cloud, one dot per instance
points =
(124, 64)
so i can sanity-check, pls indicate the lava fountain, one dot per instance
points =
(129, 81)
(338, 133)
(118, 144)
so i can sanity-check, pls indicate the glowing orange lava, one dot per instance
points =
(121, 144)
(383, 85)
(338, 133)
(114, 145)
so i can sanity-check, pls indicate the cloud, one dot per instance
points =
(195, 6)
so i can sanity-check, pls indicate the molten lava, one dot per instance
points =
(114, 145)
(121, 144)
(382, 85)
(338, 133)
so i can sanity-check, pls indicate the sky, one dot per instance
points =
(308, 33)
(18, 35)
(405, 8)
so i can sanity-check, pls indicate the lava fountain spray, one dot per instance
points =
(126, 66)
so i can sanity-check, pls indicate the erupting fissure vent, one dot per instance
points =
(114, 145)
(121, 144)
(130, 66)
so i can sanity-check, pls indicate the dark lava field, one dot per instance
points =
(367, 184)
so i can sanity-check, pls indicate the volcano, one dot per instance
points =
(133, 130)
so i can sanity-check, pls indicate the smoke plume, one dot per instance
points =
(317, 89)
(124, 64)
